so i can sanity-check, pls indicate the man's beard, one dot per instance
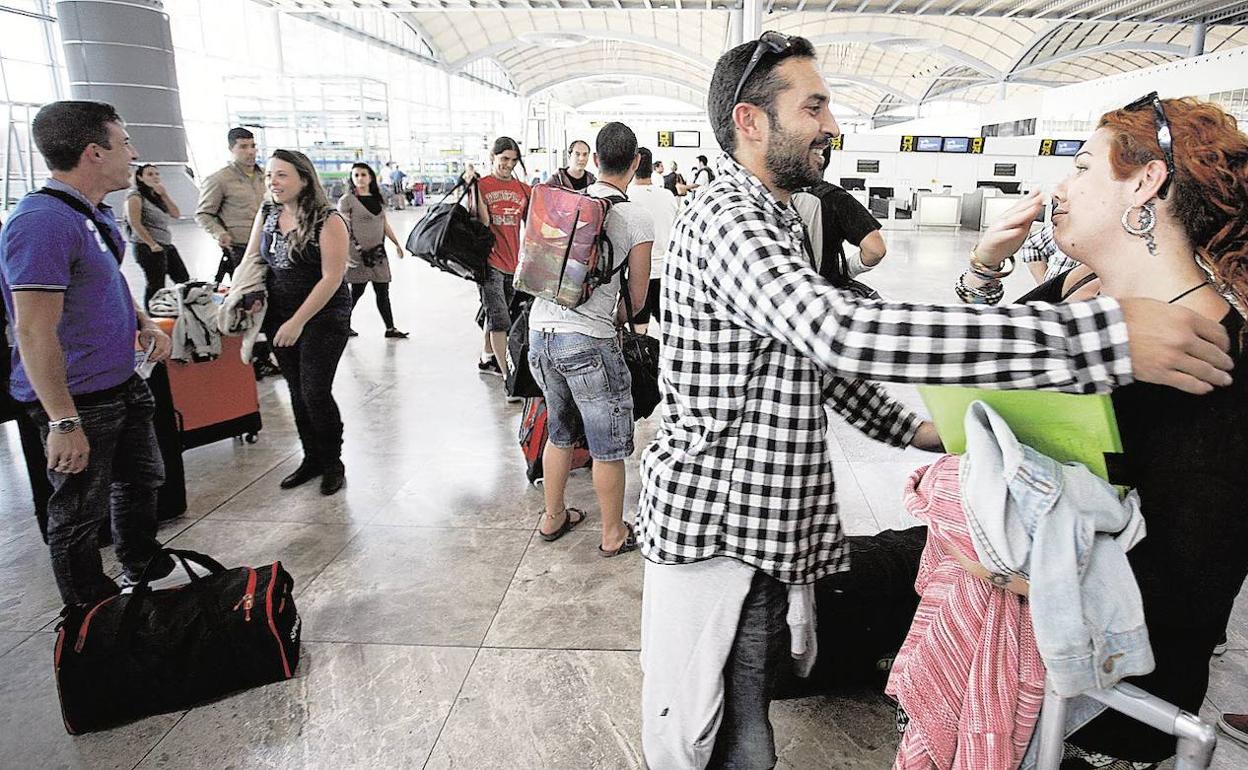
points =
(788, 160)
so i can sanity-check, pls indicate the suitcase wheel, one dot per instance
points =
(251, 438)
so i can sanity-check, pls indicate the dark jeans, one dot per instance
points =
(745, 740)
(156, 265)
(382, 292)
(230, 260)
(120, 484)
(37, 468)
(309, 367)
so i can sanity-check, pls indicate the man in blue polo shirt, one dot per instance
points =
(74, 363)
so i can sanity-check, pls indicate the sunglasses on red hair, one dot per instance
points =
(1164, 138)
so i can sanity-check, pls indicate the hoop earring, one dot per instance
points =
(1148, 221)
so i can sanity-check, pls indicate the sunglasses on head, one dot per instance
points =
(768, 42)
(1164, 138)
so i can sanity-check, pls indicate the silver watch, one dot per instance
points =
(67, 425)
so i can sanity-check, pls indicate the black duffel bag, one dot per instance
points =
(151, 652)
(452, 239)
(520, 381)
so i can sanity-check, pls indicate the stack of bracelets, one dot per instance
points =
(992, 291)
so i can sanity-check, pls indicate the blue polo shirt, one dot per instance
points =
(47, 246)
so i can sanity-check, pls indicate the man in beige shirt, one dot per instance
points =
(230, 198)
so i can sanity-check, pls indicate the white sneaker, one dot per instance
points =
(175, 578)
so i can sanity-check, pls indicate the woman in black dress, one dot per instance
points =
(304, 243)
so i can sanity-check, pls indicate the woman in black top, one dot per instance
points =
(1144, 225)
(304, 243)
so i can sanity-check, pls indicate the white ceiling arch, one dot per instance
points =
(579, 93)
(1168, 49)
(892, 52)
(502, 46)
(560, 80)
(875, 38)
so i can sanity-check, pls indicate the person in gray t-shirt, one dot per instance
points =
(149, 210)
(576, 358)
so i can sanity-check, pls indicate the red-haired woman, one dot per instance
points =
(1157, 206)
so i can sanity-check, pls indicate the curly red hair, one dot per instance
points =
(1209, 194)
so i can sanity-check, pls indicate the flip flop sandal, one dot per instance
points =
(629, 544)
(568, 524)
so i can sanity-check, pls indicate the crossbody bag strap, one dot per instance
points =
(104, 231)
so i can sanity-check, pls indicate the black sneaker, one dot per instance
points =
(1221, 647)
(489, 367)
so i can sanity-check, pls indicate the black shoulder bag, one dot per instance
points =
(641, 353)
(452, 239)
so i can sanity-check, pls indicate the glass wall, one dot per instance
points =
(239, 60)
(30, 75)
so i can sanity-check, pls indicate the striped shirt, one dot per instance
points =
(755, 344)
(969, 675)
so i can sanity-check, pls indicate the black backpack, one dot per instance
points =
(452, 239)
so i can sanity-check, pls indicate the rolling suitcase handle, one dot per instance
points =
(1197, 739)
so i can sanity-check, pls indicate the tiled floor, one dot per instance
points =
(439, 631)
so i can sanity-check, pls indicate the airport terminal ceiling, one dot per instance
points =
(879, 55)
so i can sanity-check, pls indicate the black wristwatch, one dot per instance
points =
(67, 425)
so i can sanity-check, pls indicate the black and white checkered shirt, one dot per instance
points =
(755, 343)
(1041, 246)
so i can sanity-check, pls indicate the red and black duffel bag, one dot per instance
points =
(150, 652)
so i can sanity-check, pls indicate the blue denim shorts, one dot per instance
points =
(588, 391)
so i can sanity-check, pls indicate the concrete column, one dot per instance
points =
(1198, 39)
(751, 19)
(734, 28)
(121, 52)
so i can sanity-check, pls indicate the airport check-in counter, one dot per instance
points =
(985, 206)
(938, 210)
(893, 213)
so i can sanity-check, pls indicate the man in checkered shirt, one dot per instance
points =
(737, 511)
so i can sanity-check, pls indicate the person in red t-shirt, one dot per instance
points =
(502, 204)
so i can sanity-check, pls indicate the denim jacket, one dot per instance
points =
(1067, 531)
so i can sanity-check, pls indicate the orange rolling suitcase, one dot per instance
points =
(214, 400)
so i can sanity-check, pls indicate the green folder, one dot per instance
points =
(1064, 426)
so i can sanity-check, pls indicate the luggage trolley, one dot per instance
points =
(1038, 418)
(1197, 738)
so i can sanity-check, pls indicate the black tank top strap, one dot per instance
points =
(1079, 284)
